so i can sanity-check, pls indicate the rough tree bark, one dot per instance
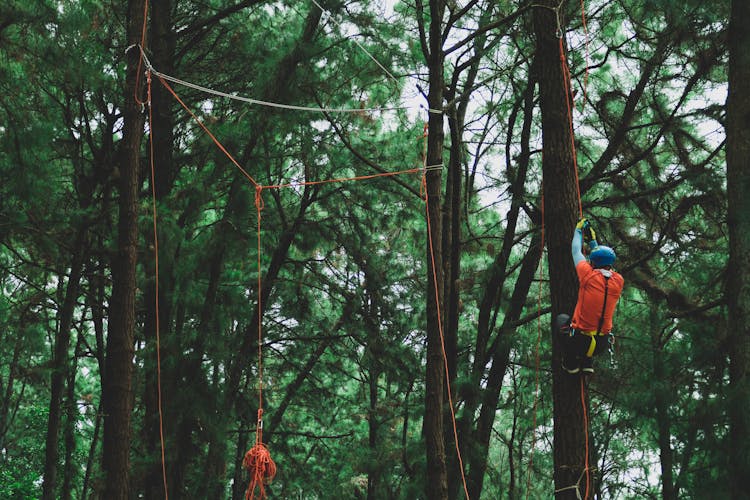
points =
(437, 474)
(117, 381)
(561, 211)
(738, 282)
(162, 43)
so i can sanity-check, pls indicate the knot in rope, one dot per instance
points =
(259, 204)
(577, 486)
(148, 87)
(423, 185)
(559, 30)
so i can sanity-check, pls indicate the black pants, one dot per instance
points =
(577, 345)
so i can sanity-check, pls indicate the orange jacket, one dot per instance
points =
(591, 298)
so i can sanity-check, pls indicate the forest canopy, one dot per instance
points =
(356, 217)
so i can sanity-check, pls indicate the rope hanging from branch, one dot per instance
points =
(258, 461)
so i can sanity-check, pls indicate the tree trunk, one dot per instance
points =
(738, 220)
(437, 474)
(117, 383)
(452, 268)
(666, 455)
(560, 209)
(163, 48)
(6, 404)
(60, 367)
(374, 470)
(238, 486)
(70, 467)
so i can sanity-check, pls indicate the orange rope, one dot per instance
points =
(439, 317)
(156, 239)
(156, 286)
(586, 467)
(586, 43)
(258, 460)
(205, 129)
(569, 104)
(259, 205)
(140, 58)
(259, 464)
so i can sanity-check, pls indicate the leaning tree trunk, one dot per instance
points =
(738, 283)
(561, 211)
(117, 383)
(437, 474)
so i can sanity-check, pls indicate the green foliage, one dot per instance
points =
(343, 323)
(22, 456)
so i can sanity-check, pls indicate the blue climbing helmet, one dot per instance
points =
(602, 256)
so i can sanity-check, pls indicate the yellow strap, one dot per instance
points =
(592, 347)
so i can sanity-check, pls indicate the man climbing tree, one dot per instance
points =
(599, 289)
(570, 443)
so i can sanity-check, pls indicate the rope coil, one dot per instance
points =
(259, 464)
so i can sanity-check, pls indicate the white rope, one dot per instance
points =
(273, 104)
(576, 486)
(296, 184)
(556, 10)
(250, 100)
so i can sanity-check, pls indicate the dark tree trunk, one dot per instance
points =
(437, 474)
(452, 269)
(738, 283)
(373, 474)
(238, 486)
(666, 454)
(60, 367)
(71, 420)
(117, 384)
(95, 301)
(92, 454)
(561, 211)
(165, 171)
(7, 402)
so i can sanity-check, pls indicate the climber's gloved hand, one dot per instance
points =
(586, 230)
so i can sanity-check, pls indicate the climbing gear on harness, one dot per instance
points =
(606, 275)
(570, 362)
